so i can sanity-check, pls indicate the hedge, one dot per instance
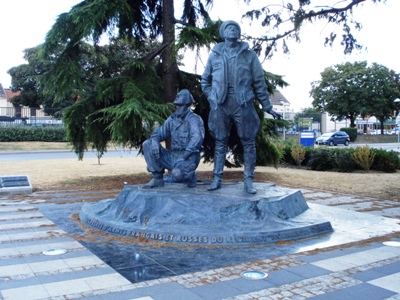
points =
(29, 134)
(340, 160)
(352, 132)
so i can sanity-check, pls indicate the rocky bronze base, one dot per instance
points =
(228, 216)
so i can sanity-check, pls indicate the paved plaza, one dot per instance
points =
(353, 262)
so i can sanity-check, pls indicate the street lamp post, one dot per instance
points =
(397, 101)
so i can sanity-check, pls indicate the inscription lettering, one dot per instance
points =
(196, 239)
(192, 239)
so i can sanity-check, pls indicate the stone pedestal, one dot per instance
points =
(228, 216)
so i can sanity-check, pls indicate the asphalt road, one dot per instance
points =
(7, 156)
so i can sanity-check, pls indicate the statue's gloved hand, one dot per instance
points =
(155, 148)
(274, 114)
(184, 157)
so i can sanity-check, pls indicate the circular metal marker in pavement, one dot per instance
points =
(392, 243)
(54, 252)
(254, 275)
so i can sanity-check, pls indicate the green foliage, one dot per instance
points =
(352, 132)
(298, 154)
(329, 159)
(349, 90)
(288, 144)
(287, 147)
(135, 110)
(386, 161)
(194, 38)
(322, 159)
(269, 155)
(364, 157)
(383, 85)
(344, 161)
(28, 134)
(25, 79)
(76, 122)
(340, 91)
(268, 152)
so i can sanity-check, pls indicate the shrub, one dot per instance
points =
(289, 144)
(287, 149)
(386, 161)
(352, 132)
(344, 160)
(364, 157)
(281, 147)
(298, 153)
(321, 160)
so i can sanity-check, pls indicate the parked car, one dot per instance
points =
(395, 131)
(333, 138)
(378, 131)
(291, 132)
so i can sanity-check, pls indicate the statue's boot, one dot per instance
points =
(219, 162)
(193, 180)
(249, 166)
(157, 181)
(215, 184)
(248, 186)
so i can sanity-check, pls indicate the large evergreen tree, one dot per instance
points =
(123, 106)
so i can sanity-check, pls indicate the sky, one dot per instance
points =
(24, 24)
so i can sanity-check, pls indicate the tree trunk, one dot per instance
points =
(381, 120)
(169, 67)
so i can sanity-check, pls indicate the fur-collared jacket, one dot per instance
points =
(249, 81)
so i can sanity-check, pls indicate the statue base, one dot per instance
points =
(225, 217)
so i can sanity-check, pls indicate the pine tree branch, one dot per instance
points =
(153, 53)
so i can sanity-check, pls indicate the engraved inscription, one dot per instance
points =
(215, 240)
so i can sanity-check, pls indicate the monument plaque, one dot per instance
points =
(15, 185)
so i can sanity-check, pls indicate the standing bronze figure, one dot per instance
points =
(232, 80)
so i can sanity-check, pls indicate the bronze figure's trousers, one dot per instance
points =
(247, 123)
(167, 160)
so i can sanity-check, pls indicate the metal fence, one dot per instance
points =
(17, 116)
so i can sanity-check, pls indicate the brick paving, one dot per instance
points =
(351, 263)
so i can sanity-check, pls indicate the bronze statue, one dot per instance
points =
(186, 130)
(232, 79)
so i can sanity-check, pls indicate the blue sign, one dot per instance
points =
(307, 138)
